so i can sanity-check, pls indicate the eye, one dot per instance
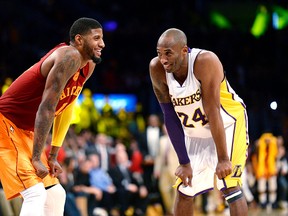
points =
(97, 37)
(168, 54)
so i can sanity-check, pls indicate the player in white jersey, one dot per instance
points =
(205, 119)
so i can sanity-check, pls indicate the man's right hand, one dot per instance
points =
(184, 172)
(41, 170)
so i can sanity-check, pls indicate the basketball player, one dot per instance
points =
(44, 93)
(205, 119)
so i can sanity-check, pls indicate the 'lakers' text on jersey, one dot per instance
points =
(187, 102)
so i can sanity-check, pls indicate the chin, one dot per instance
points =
(96, 60)
(168, 71)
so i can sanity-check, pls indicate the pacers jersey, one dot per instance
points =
(21, 100)
(187, 102)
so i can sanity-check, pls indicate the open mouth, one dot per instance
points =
(98, 52)
(167, 66)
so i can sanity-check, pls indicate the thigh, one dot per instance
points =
(203, 159)
(237, 144)
(17, 172)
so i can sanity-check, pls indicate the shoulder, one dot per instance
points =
(156, 69)
(207, 63)
(63, 54)
(154, 61)
(158, 79)
(155, 64)
(66, 53)
(63, 59)
(206, 56)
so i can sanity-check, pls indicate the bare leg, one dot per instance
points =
(238, 207)
(183, 205)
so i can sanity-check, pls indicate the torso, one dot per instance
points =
(187, 102)
(21, 100)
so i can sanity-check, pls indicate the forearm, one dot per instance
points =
(218, 134)
(175, 132)
(43, 123)
(54, 152)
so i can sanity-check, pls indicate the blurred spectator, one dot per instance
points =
(264, 163)
(149, 147)
(136, 157)
(124, 133)
(102, 148)
(88, 114)
(100, 179)
(81, 188)
(66, 179)
(246, 187)
(166, 164)
(136, 121)
(9, 207)
(87, 196)
(282, 169)
(131, 194)
(107, 122)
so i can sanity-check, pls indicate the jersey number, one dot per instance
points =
(197, 116)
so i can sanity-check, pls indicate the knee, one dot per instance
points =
(57, 192)
(183, 198)
(55, 202)
(233, 194)
(230, 190)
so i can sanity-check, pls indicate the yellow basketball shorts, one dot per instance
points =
(203, 159)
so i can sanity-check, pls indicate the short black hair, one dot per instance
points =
(83, 26)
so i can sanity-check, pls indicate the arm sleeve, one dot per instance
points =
(175, 132)
(61, 125)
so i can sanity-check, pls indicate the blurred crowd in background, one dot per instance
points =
(256, 67)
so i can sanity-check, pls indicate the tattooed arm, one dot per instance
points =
(58, 68)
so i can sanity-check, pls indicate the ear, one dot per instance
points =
(78, 39)
(185, 49)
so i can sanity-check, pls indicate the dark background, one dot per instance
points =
(256, 67)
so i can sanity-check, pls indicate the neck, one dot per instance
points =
(181, 74)
(83, 60)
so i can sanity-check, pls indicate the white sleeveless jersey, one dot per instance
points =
(187, 102)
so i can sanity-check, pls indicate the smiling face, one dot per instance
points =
(86, 35)
(93, 44)
(172, 51)
(170, 56)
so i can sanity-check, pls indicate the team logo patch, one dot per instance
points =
(237, 171)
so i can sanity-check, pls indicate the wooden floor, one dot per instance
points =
(253, 212)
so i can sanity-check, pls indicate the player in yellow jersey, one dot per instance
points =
(205, 119)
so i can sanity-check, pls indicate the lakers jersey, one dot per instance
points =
(187, 102)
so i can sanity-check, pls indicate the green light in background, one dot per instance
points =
(280, 17)
(261, 22)
(219, 20)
